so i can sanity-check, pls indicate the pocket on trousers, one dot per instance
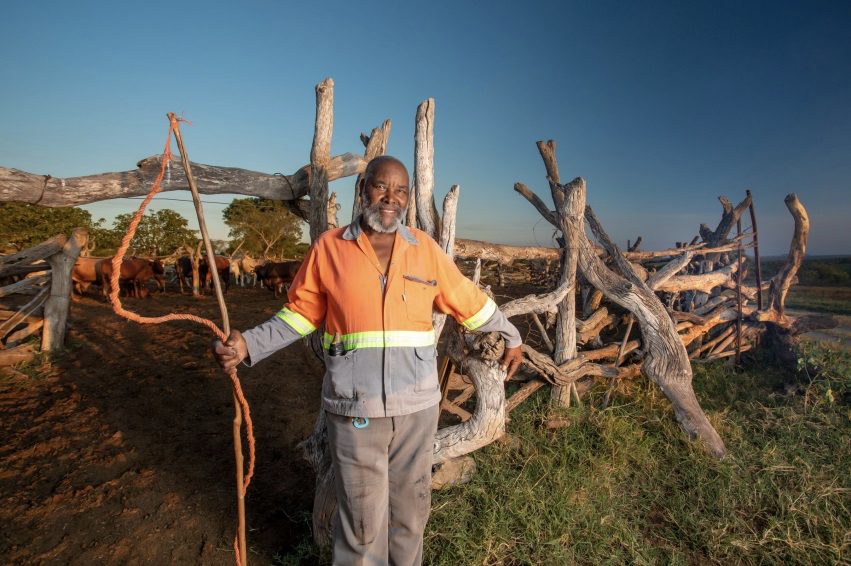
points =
(341, 375)
(425, 368)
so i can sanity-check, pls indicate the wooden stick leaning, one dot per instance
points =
(211, 259)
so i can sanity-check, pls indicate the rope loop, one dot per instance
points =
(115, 301)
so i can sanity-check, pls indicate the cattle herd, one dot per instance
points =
(136, 272)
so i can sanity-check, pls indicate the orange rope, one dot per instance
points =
(119, 310)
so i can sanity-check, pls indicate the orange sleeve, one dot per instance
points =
(306, 295)
(459, 297)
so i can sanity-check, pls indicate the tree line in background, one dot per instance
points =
(816, 271)
(258, 227)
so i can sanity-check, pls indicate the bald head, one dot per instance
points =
(380, 160)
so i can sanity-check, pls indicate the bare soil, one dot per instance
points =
(124, 454)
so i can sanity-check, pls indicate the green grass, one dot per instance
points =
(625, 486)
(834, 300)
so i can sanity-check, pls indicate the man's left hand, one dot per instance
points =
(511, 361)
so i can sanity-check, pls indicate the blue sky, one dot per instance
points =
(660, 106)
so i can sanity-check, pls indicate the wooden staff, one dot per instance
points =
(211, 260)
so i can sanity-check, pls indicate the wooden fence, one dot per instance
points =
(35, 294)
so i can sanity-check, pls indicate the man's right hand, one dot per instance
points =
(233, 351)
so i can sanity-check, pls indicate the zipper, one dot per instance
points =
(433, 282)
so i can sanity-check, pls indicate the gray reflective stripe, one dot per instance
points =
(298, 322)
(480, 317)
(380, 339)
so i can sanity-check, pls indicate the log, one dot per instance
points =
(538, 304)
(32, 326)
(456, 471)
(44, 190)
(23, 284)
(36, 314)
(503, 254)
(25, 311)
(569, 373)
(18, 270)
(524, 393)
(671, 268)
(704, 282)
(19, 354)
(592, 326)
(463, 414)
(31, 255)
(56, 307)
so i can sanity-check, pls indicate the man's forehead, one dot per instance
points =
(388, 167)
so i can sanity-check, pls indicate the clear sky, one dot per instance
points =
(660, 106)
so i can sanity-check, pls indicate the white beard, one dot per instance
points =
(372, 217)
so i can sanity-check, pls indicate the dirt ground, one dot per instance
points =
(124, 455)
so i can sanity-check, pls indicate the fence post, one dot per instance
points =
(57, 305)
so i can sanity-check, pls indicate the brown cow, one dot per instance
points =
(276, 275)
(222, 268)
(184, 272)
(159, 274)
(134, 273)
(86, 271)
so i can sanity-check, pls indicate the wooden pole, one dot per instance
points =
(211, 260)
(756, 256)
(739, 295)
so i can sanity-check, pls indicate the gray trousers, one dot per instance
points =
(383, 484)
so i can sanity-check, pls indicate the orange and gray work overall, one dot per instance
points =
(386, 367)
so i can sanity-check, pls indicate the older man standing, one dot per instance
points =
(374, 285)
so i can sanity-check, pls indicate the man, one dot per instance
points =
(374, 285)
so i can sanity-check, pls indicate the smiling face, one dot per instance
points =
(385, 194)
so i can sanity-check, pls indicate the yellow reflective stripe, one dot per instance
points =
(480, 317)
(380, 339)
(298, 322)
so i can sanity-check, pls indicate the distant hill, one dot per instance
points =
(818, 271)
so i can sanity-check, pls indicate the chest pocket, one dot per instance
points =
(419, 298)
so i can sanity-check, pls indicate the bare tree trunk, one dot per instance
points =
(488, 420)
(320, 156)
(781, 282)
(316, 451)
(56, 307)
(565, 346)
(427, 218)
(666, 362)
(447, 244)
